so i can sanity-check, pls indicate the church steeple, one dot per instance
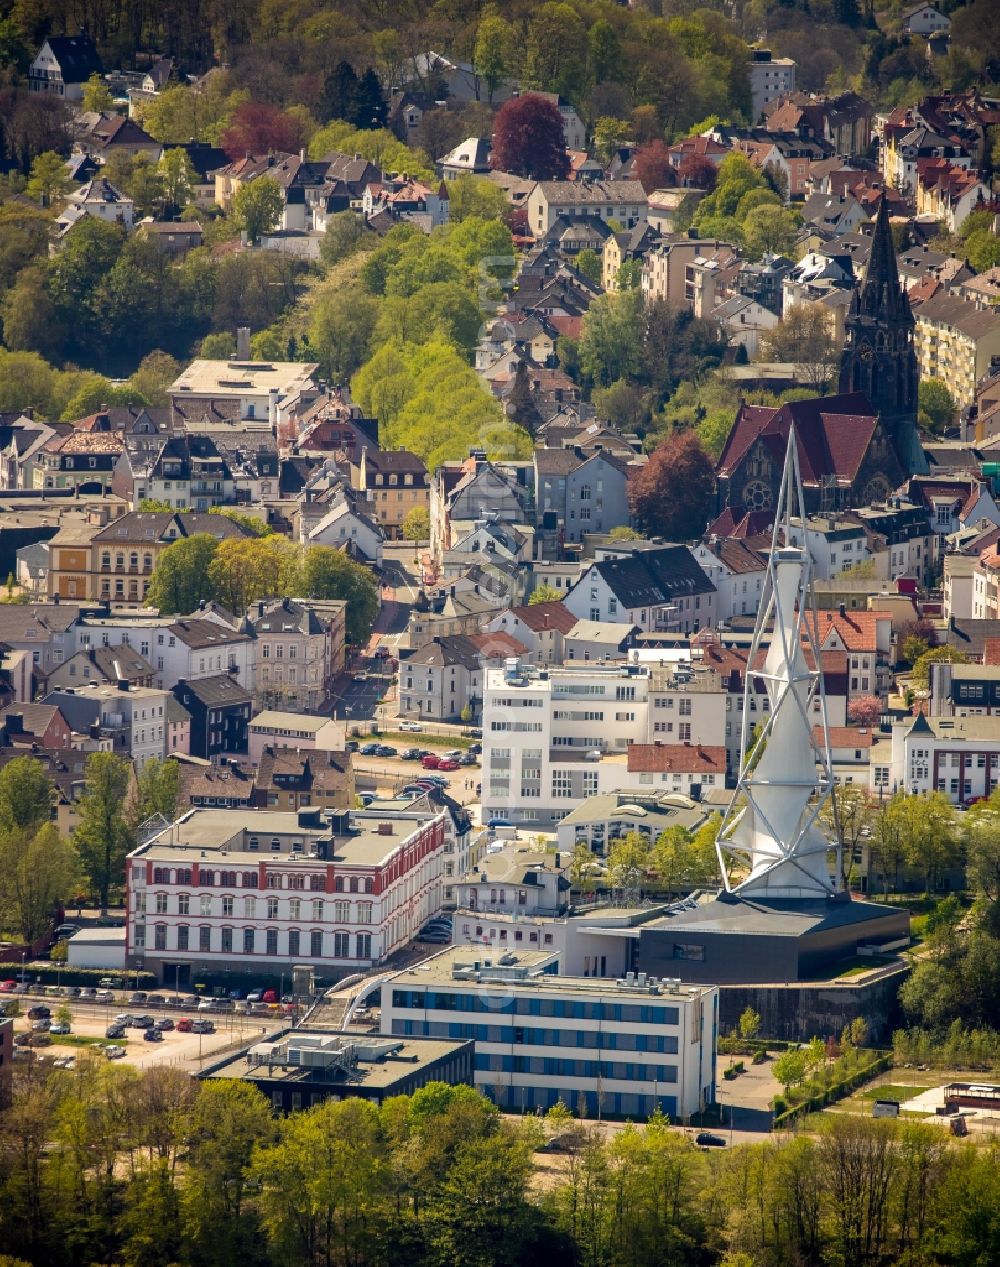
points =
(879, 357)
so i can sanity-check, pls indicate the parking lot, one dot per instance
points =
(186, 1050)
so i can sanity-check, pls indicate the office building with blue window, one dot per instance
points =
(611, 1047)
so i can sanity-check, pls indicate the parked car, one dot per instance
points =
(142, 1022)
(475, 749)
(453, 754)
(152, 1036)
(103, 996)
(351, 745)
(164, 1023)
(430, 762)
(184, 1025)
(467, 759)
(387, 750)
(88, 992)
(411, 727)
(108, 983)
(66, 930)
(447, 763)
(435, 779)
(40, 1040)
(435, 938)
(707, 1140)
(136, 997)
(369, 750)
(38, 1012)
(205, 1005)
(59, 1027)
(8, 987)
(155, 1000)
(255, 996)
(115, 1031)
(412, 754)
(72, 992)
(366, 798)
(114, 1052)
(202, 1027)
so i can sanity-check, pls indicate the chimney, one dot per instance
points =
(243, 343)
(122, 683)
(14, 723)
(842, 608)
(260, 610)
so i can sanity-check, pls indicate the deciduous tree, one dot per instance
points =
(329, 573)
(38, 870)
(102, 835)
(653, 167)
(528, 139)
(181, 577)
(257, 206)
(671, 495)
(49, 178)
(27, 796)
(865, 710)
(495, 55)
(803, 338)
(258, 128)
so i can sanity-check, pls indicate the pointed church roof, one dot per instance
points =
(921, 726)
(881, 297)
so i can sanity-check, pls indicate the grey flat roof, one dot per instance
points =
(733, 915)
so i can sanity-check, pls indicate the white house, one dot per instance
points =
(344, 526)
(925, 20)
(959, 756)
(736, 571)
(657, 588)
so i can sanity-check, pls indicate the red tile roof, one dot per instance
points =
(845, 736)
(499, 643)
(541, 616)
(857, 630)
(675, 758)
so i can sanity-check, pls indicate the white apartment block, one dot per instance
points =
(619, 1048)
(552, 737)
(223, 890)
(134, 718)
(179, 650)
(770, 78)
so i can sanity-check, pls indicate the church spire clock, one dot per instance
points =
(879, 357)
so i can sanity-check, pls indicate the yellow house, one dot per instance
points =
(395, 482)
(70, 573)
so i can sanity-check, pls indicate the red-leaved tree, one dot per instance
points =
(256, 128)
(697, 172)
(672, 495)
(652, 167)
(865, 710)
(529, 140)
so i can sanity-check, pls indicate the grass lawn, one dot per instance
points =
(84, 1040)
(891, 1091)
(420, 739)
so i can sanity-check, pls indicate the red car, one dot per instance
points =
(447, 764)
(431, 762)
(184, 1025)
(8, 987)
(269, 996)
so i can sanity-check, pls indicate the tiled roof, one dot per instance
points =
(649, 578)
(541, 616)
(217, 691)
(199, 634)
(671, 758)
(845, 736)
(857, 630)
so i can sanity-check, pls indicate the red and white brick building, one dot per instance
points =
(223, 890)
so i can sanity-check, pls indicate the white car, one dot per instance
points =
(452, 754)
(413, 727)
(114, 1052)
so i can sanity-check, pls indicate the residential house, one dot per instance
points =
(219, 707)
(925, 19)
(394, 482)
(956, 342)
(77, 459)
(443, 679)
(737, 572)
(229, 785)
(174, 237)
(770, 78)
(43, 630)
(948, 193)
(405, 199)
(664, 273)
(462, 493)
(621, 200)
(63, 65)
(540, 628)
(302, 732)
(574, 129)
(964, 690)
(470, 158)
(255, 390)
(296, 650)
(744, 322)
(288, 779)
(501, 543)
(100, 200)
(578, 492)
(68, 571)
(102, 135)
(103, 664)
(657, 588)
(124, 554)
(24, 725)
(599, 640)
(688, 768)
(134, 719)
(344, 525)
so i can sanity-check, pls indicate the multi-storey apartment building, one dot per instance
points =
(299, 645)
(623, 1048)
(956, 342)
(221, 890)
(185, 649)
(134, 718)
(554, 736)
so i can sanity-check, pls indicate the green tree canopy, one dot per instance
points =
(328, 573)
(102, 836)
(181, 577)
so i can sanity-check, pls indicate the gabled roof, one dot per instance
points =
(77, 57)
(650, 578)
(833, 434)
(857, 630)
(199, 634)
(541, 616)
(218, 691)
(670, 758)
